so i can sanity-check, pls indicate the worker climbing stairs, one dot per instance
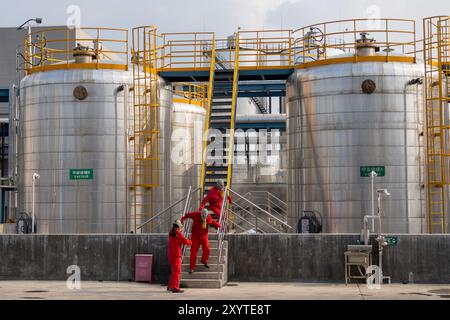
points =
(213, 278)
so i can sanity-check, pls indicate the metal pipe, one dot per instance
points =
(35, 177)
(373, 174)
(125, 146)
(116, 93)
(412, 82)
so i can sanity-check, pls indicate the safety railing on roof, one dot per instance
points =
(64, 48)
(186, 50)
(391, 38)
(191, 93)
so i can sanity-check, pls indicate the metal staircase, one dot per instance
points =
(219, 147)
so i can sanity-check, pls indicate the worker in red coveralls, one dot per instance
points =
(176, 241)
(215, 199)
(201, 221)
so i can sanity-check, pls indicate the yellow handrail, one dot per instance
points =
(212, 70)
(233, 112)
(54, 48)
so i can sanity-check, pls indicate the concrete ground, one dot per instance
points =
(57, 290)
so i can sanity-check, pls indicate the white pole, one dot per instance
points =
(30, 47)
(32, 205)
(35, 176)
(373, 175)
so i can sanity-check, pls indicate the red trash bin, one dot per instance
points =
(143, 270)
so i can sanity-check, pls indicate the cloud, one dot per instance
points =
(221, 16)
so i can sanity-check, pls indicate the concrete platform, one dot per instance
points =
(57, 290)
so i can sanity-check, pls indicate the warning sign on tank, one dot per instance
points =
(81, 174)
(379, 170)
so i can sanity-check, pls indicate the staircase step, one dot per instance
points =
(216, 168)
(216, 176)
(202, 275)
(200, 268)
(213, 252)
(221, 103)
(201, 283)
(211, 261)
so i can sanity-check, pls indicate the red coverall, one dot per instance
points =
(199, 236)
(175, 254)
(215, 200)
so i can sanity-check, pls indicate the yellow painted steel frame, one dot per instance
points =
(196, 94)
(212, 70)
(50, 56)
(146, 120)
(437, 92)
(233, 112)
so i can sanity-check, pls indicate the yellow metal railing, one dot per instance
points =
(233, 112)
(186, 50)
(146, 122)
(191, 93)
(52, 49)
(212, 69)
(393, 38)
(437, 98)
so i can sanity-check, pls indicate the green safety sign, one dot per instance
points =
(366, 171)
(392, 241)
(81, 174)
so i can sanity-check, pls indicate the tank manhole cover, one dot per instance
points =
(440, 291)
(36, 291)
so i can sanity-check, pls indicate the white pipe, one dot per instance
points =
(125, 145)
(125, 88)
(35, 177)
(373, 174)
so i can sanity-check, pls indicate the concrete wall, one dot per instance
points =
(320, 258)
(259, 258)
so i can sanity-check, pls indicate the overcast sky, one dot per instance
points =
(221, 16)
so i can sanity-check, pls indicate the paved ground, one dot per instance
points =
(57, 290)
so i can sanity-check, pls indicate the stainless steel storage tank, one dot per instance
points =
(346, 115)
(61, 136)
(188, 126)
(72, 134)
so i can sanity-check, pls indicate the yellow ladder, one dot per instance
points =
(437, 56)
(145, 122)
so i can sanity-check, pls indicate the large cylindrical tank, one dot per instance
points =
(72, 135)
(188, 126)
(337, 127)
